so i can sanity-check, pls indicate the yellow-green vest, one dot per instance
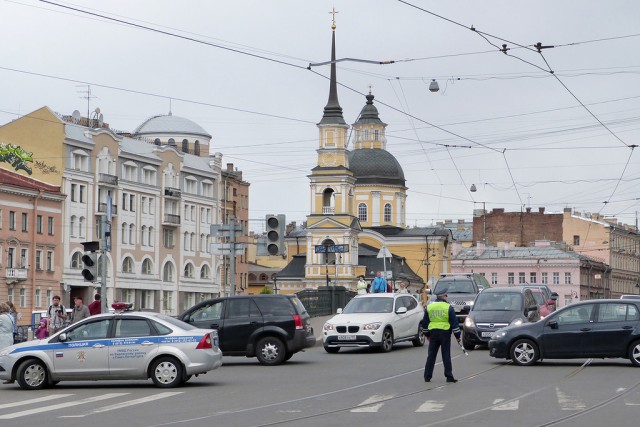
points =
(439, 315)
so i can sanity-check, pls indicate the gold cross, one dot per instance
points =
(333, 18)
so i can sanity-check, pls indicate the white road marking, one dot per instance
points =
(41, 409)
(431, 406)
(125, 404)
(372, 404)
(509, 406)
(35, 400)
(568, 403)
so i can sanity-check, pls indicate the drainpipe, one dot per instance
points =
(32, 265)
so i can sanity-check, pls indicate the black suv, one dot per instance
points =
(269, 327)
(462, 290)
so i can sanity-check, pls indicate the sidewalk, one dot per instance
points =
(317, 323)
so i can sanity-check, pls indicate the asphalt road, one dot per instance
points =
(351, 388)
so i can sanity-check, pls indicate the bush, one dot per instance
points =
(266, 290)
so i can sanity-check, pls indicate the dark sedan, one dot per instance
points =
(596, 328)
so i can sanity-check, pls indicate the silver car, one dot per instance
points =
(115, 346)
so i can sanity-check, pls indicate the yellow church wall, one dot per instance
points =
(41, 133)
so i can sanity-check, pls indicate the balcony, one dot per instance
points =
(172, 192)
(105, 178)
(102, 208)
(171, 219)
(328, 210)
(16, 275)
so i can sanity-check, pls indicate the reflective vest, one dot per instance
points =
(439, 315)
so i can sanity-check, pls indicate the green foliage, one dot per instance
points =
(266, 290)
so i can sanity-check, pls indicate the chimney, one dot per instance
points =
(541, 210)
(528, 210)
(229, 167)
(480, 247)
(567, 210)
(498, 211)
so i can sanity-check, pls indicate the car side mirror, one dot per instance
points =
(63, 337)
(339, 311)
(428, 291)
(554, 296)
(401, 310)
(553, 324)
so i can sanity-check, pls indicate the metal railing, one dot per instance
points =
(171, 219)
(318, 302)
(172, 192)
(105, 178)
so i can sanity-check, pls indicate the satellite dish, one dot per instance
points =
(76, 116)
(100, 120)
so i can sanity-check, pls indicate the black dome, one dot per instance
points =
(375, 166)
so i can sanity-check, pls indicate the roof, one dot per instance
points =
(170, 124)
(375, 166)
(388, 231)
(546, 252)
(369, 113)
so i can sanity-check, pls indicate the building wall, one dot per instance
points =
(519, 227)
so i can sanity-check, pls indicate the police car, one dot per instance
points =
(114, 346)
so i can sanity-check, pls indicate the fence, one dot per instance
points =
(325, 300)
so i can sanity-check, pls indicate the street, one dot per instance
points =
(356, 387)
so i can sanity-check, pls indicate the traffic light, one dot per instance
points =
(275, 234)
(90, 270)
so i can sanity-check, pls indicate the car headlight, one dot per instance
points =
(328, 327)
(469, 323)
(371, 326)
(516, 322)
(499, 334)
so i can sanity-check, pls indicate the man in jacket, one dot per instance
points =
(379, 284)
(438, 323)
(80, 311)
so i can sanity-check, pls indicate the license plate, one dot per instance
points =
(346, 337)
(488, 334)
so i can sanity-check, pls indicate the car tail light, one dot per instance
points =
(205, 342)
(297, 319)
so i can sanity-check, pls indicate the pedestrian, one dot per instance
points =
(438, 323)
(14, 316)
(362, 286)
(96, 306)
(6, 326)
(379, 284)
(80, 311)
(43, 329)
(57, 315)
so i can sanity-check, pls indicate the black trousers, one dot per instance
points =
(439, 339)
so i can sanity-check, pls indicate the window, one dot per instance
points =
(366, 134)
(533, 277)
(556, 278)
(362, 212)
(376, 134)
(494, 278)
(196, 148)
(185, 146)
(81, 194)
(167, 272)
(207, 189)
(128, 295)
(186, 241)
(147, 267)
(132, 234)
(23, 298)
(193, 242)
(567, 278)
(89, 331)
(38, 260)
(575, 315)
(12, 220)
(522, 278)
(156, 141)
(143, 236)
(207, 312)
(74, 189)
(241, 307)
(387, 212)
(149, 176)
(38, 298)
(129, 171)
(188, 270)
(205, 272)
(24, 256)
(132, 328)
(79, 161)
(132, 202)
(76, 260)
(124, 233)
(49, 260)
(10, 294)
(81, 227)
(50, 226)
(11, 254)
(143, 204)
(167, 300)
(0, 219)
(618, 312)
(152, 206)
(545, 278)
(125, 199)
(147, 300)
(24, 221)
(510, 278)
(167, 236)
(151, 239)
(127, 265)
(72, 226)
(576, 240)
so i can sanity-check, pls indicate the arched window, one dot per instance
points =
(263, 277)
(125, 232)
(252, 277)
(387, 212)
(167, 272)
(193, 242)
(127, 265)
(188, 270)
(203, 243)
(185, 146)
(76, 260)
(328, 201)
(156, 141)
(147, 267)
(151, 239)
(81, 227)
(196, 148)
(72, 227)
(362, 212)
(172, 142)
(205, 272)
(143, 236)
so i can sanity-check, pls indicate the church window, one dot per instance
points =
(172, 141)
(196, 148)
(362, 212)
(156, 141)
(387, 212)
(328, 201)
(376, 134)
(366, 134)
(185, 146)
(357, 135)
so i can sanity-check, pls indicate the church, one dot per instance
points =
(357, 220)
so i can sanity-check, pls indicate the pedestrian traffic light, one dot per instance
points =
(275, 234)
(90, 270)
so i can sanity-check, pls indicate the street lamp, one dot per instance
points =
(473, 189)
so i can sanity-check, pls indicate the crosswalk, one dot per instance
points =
(60, 401)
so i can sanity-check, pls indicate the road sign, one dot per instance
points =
(225, 248)
(332, 249)
(384, 253)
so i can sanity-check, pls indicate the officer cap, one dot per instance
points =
(442, 291)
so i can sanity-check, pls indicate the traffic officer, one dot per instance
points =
(438, 323)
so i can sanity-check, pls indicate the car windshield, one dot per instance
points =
(455, 287)
(495, 301)
(369, 305)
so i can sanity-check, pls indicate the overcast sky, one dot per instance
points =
(238, 68)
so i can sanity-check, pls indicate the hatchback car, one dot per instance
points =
(120, 346)
(270, 327)
(376, 321)
(496, 308)
(594, 328)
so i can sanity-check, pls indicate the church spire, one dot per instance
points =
(333, 111)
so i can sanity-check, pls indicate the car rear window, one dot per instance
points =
(275, 306)
(175, 322)
(455, 286)
(299, 305)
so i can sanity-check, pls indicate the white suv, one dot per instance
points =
(375, 320)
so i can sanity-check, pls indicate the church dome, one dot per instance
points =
(170, 124)
(375, 166)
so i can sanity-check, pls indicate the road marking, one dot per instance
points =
(32, 401)
(373, 403)
(39, 410)
(568, 403)
(509, 406)
(125, 404)
(431, 406)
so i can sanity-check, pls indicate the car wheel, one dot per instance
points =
(32, 375)
(524, 352)
(331, 350)
(187, 378)
(166, 372)
(418, 341)
(634, 353)
(270, 351)
(288, 356)
(467, 345)
(387, 340)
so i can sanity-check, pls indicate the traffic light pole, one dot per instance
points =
(105, 246)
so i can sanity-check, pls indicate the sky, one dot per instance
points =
(554, 128)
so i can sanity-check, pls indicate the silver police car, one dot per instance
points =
(115, 346)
